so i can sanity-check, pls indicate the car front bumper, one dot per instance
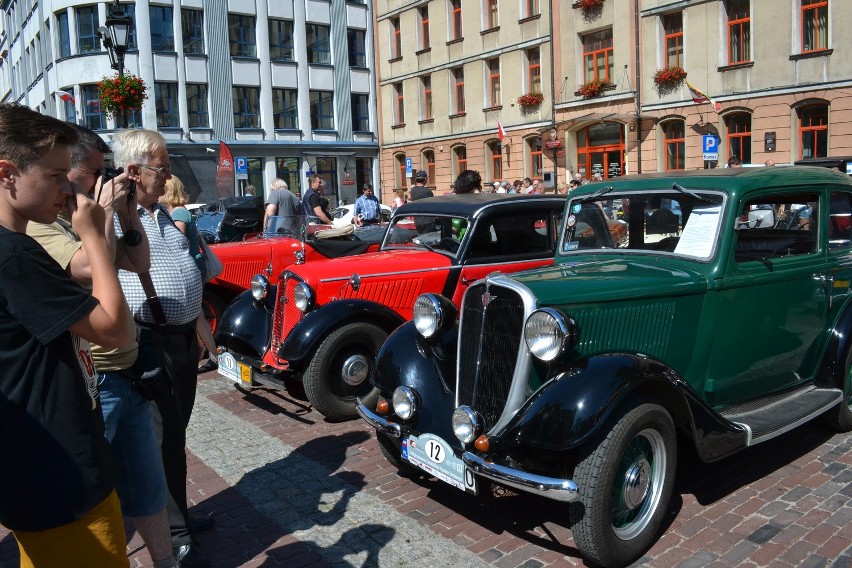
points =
(564, 490)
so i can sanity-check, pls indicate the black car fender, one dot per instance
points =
(581, 400)
(246, 325)
(832, 368)
(306, 336)
(426, 366)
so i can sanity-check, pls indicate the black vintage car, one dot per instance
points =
(230, 219)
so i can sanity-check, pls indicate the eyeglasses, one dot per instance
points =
(162, 170)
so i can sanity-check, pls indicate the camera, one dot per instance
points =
(110, 173)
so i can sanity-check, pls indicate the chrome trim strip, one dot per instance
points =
(564, 490)
(378, 422)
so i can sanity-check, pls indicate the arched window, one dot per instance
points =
(428, 163)
(459, 160)
(813, 131)
(400, 180)
(495, 158)
(675, 144)
(535, 156)
(739, 136)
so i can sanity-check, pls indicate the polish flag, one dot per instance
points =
(500, 132)
(65, 96)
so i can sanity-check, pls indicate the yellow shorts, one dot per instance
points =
(95, 539)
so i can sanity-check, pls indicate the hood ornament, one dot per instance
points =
(487, 298)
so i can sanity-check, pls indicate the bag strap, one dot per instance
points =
(151, 297)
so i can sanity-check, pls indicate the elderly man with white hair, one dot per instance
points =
(281, 201)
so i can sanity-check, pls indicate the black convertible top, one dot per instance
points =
(469, 204)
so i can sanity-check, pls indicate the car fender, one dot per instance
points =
(306, 335)
(426, 366)
(246, 324)
(831, 372)
(578, 402)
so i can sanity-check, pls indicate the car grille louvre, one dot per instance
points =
(397, 294)
(241, 271)
(489, 340)
(286, 314)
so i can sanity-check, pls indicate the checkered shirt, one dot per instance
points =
(176, 277)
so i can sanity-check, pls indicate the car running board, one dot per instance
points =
(768, 417)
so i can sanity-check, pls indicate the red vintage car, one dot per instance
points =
(323, 322)
(285, 241)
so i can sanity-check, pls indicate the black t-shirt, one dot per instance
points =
(55, 463)
(420, 192)
(314, 200)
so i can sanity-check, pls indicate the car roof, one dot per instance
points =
(470, 204)
(729, 179)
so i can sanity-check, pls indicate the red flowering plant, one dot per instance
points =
(531, 100)
(121, 93)
(592, 89)
(669, 78)
(586, 5)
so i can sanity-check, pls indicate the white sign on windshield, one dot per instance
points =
(699, 234)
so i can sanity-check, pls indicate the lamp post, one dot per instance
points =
(115, 36)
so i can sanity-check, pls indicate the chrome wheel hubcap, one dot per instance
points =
(355, 370)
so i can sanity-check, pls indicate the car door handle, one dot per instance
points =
(827, 281)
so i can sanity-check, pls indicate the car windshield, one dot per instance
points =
(292, 226)
(442, 234)
(677, 221)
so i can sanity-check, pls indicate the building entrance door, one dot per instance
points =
(600, 149)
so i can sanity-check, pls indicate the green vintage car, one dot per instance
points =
(715, 308)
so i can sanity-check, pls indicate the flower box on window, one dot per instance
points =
(593, 88)
(586, 5)
(530, 100)
(121, 94)
(670, 77)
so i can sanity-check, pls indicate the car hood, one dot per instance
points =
(242, 260)
(596, 279)
(372, 265)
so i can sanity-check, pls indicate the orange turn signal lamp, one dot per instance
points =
(382, 406)
(482, 444)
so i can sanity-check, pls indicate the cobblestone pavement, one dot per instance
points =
(289, 489)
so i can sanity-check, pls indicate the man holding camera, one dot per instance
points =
(128, 424)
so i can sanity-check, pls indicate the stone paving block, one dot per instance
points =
(764, 534)
(698, 560)
(740, 551)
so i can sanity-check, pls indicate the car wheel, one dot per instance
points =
(339, 372)
(213, 307)
(625, 477)
(839, 418)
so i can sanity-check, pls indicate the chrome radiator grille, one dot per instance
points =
(492, 321)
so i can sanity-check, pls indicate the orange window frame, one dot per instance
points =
(810, 12)
(493, 16)
(457, 19)
(811, 123)
(739, 128)
(497, 161)
(534, 70)
(424, 28)
(427, 98)
(400, 161)
(494, 82)
(739, 26)
(429, 158)
(461, 159)
(396, 34)
(458, 77)
(533, 8)
(536, 157)
(400, 104)
(678, 142)
(593, 46)
(673, 39)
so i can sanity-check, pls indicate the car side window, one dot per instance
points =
(527, 234)
(777, 226)
(840, 220)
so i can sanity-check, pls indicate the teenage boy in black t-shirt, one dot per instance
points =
(54, 460)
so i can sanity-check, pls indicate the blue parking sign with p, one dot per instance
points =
(409, 167)
(710, 147)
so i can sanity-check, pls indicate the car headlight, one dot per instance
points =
(467, 424)
(405, 402)
(433, 313)
(548, 333)
(303, 296)
(259, 287)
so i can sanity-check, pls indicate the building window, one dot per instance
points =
(357, 47)
(459, 160)
(288, 170)
(426, 97)
(363, 171)
(739, 136)
(319, 47)
(400, 181)
(246, 101)
(493, 70)
(491, 15)
(673, 41)
(131, 38)
(192, 30)
(813, 131)
(196, 102)
(814, 25)
(92, 116)
(280, 40)
(534, 70)
(395, 38)
(455, 20)
(68, 107)
(165, 98)
(673, 133)
(64, 35)
(739, 31)
(87, 26)
(597, 56)
(532, 8)
(162, 28)
(285, 108)
(255, 172)
(360, 113)
(428, 161)
(458, 90)
(536, 156)
(423, 16)
(399, 104)
(241, 35)
(495, 152)
(322, 110)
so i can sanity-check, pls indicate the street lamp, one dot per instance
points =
(115, 37)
